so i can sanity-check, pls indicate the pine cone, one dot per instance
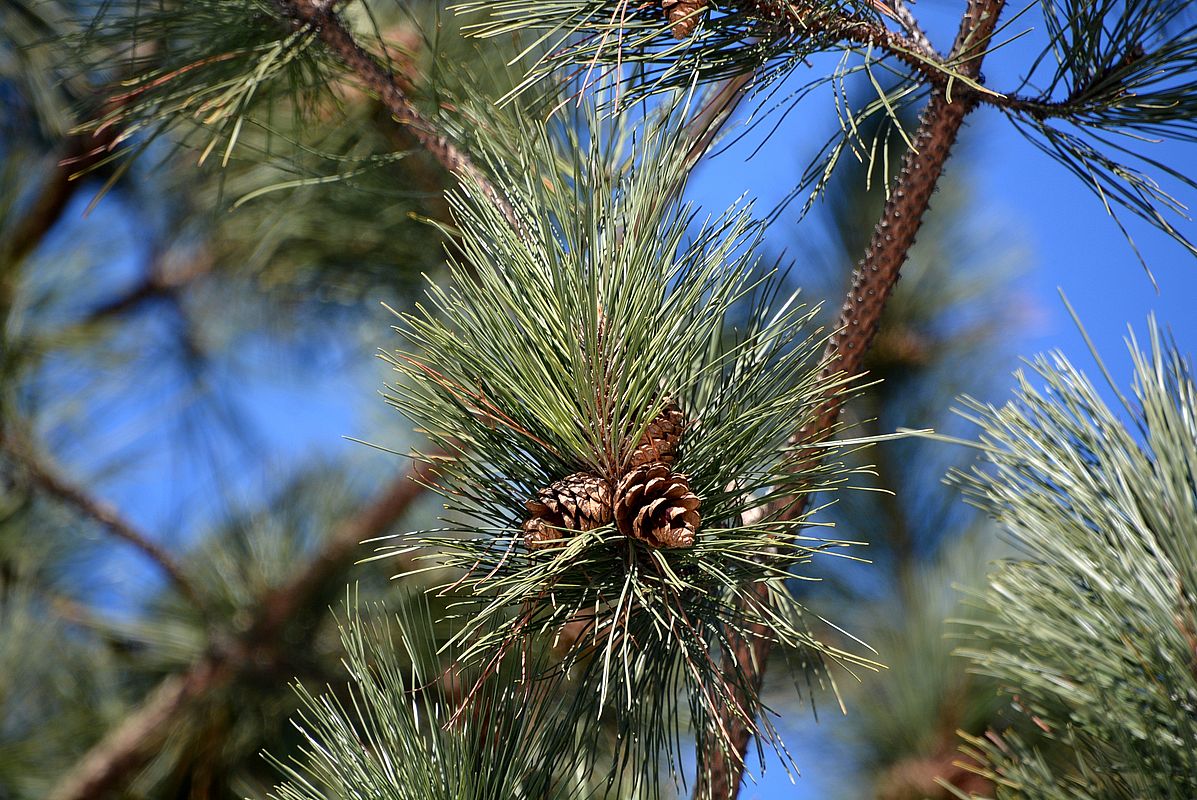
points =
(657, 507)
(684, 14)
(578, 502)
(660, 439)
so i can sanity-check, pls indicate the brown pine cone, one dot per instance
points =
(661, 438)
(657, 507)
(578, 502)
(684, 14)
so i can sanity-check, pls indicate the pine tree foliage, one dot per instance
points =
(581, 307)
(906, 719)
(590, 41)
(551, 354)
(1093, 626)
(49, 668)
(1113, 77)
(396, 732)
(206, 67)
(599, 37)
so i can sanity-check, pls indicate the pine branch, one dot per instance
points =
(122, 751)
(913, 29)
(810, 17)
(47, 477)
(704, 129)
(873, 282)
(320, 16)
(1090, 625)
(159, 282)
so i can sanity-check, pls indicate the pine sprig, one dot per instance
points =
(393, 734)
(554, 347)
(203, 70)
(1114, 77)
(597, 38)
(1093, 627)
(590, 41)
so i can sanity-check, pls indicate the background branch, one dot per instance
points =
(49, 479)
(320, 17)
(160, 281)
(81, 154)
(123, 750)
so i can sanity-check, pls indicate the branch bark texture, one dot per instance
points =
(872, 284)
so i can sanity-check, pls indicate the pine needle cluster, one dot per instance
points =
(392, 733)
(1114, 77)
(598, 38)
(207, 72)
(1093, 628)
(557, 344)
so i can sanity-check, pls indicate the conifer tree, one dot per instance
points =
(625, 415)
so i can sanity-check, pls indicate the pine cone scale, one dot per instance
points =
(661, 438)
(684, 14)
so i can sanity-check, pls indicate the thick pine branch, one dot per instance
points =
(873, 282)
(126, 748)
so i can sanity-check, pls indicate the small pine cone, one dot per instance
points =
(684, 14)
(660, 439)
(577, 502)
(657, 507)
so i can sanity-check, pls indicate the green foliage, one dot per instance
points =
(554, 347)
(599, 37)
(59, 684)
(913, 710)
(206, 66)
(1114, 77)
(593, 41)
(1093, 628)
(398, 733)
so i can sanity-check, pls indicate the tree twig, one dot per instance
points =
(320, 17)
(809, 17)
(49, 479)
(82, 153)
(913, 29)
(913, 49)
(124, 748)
(719, 108)
(873, 281)
(159, 282)
(127, 747)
